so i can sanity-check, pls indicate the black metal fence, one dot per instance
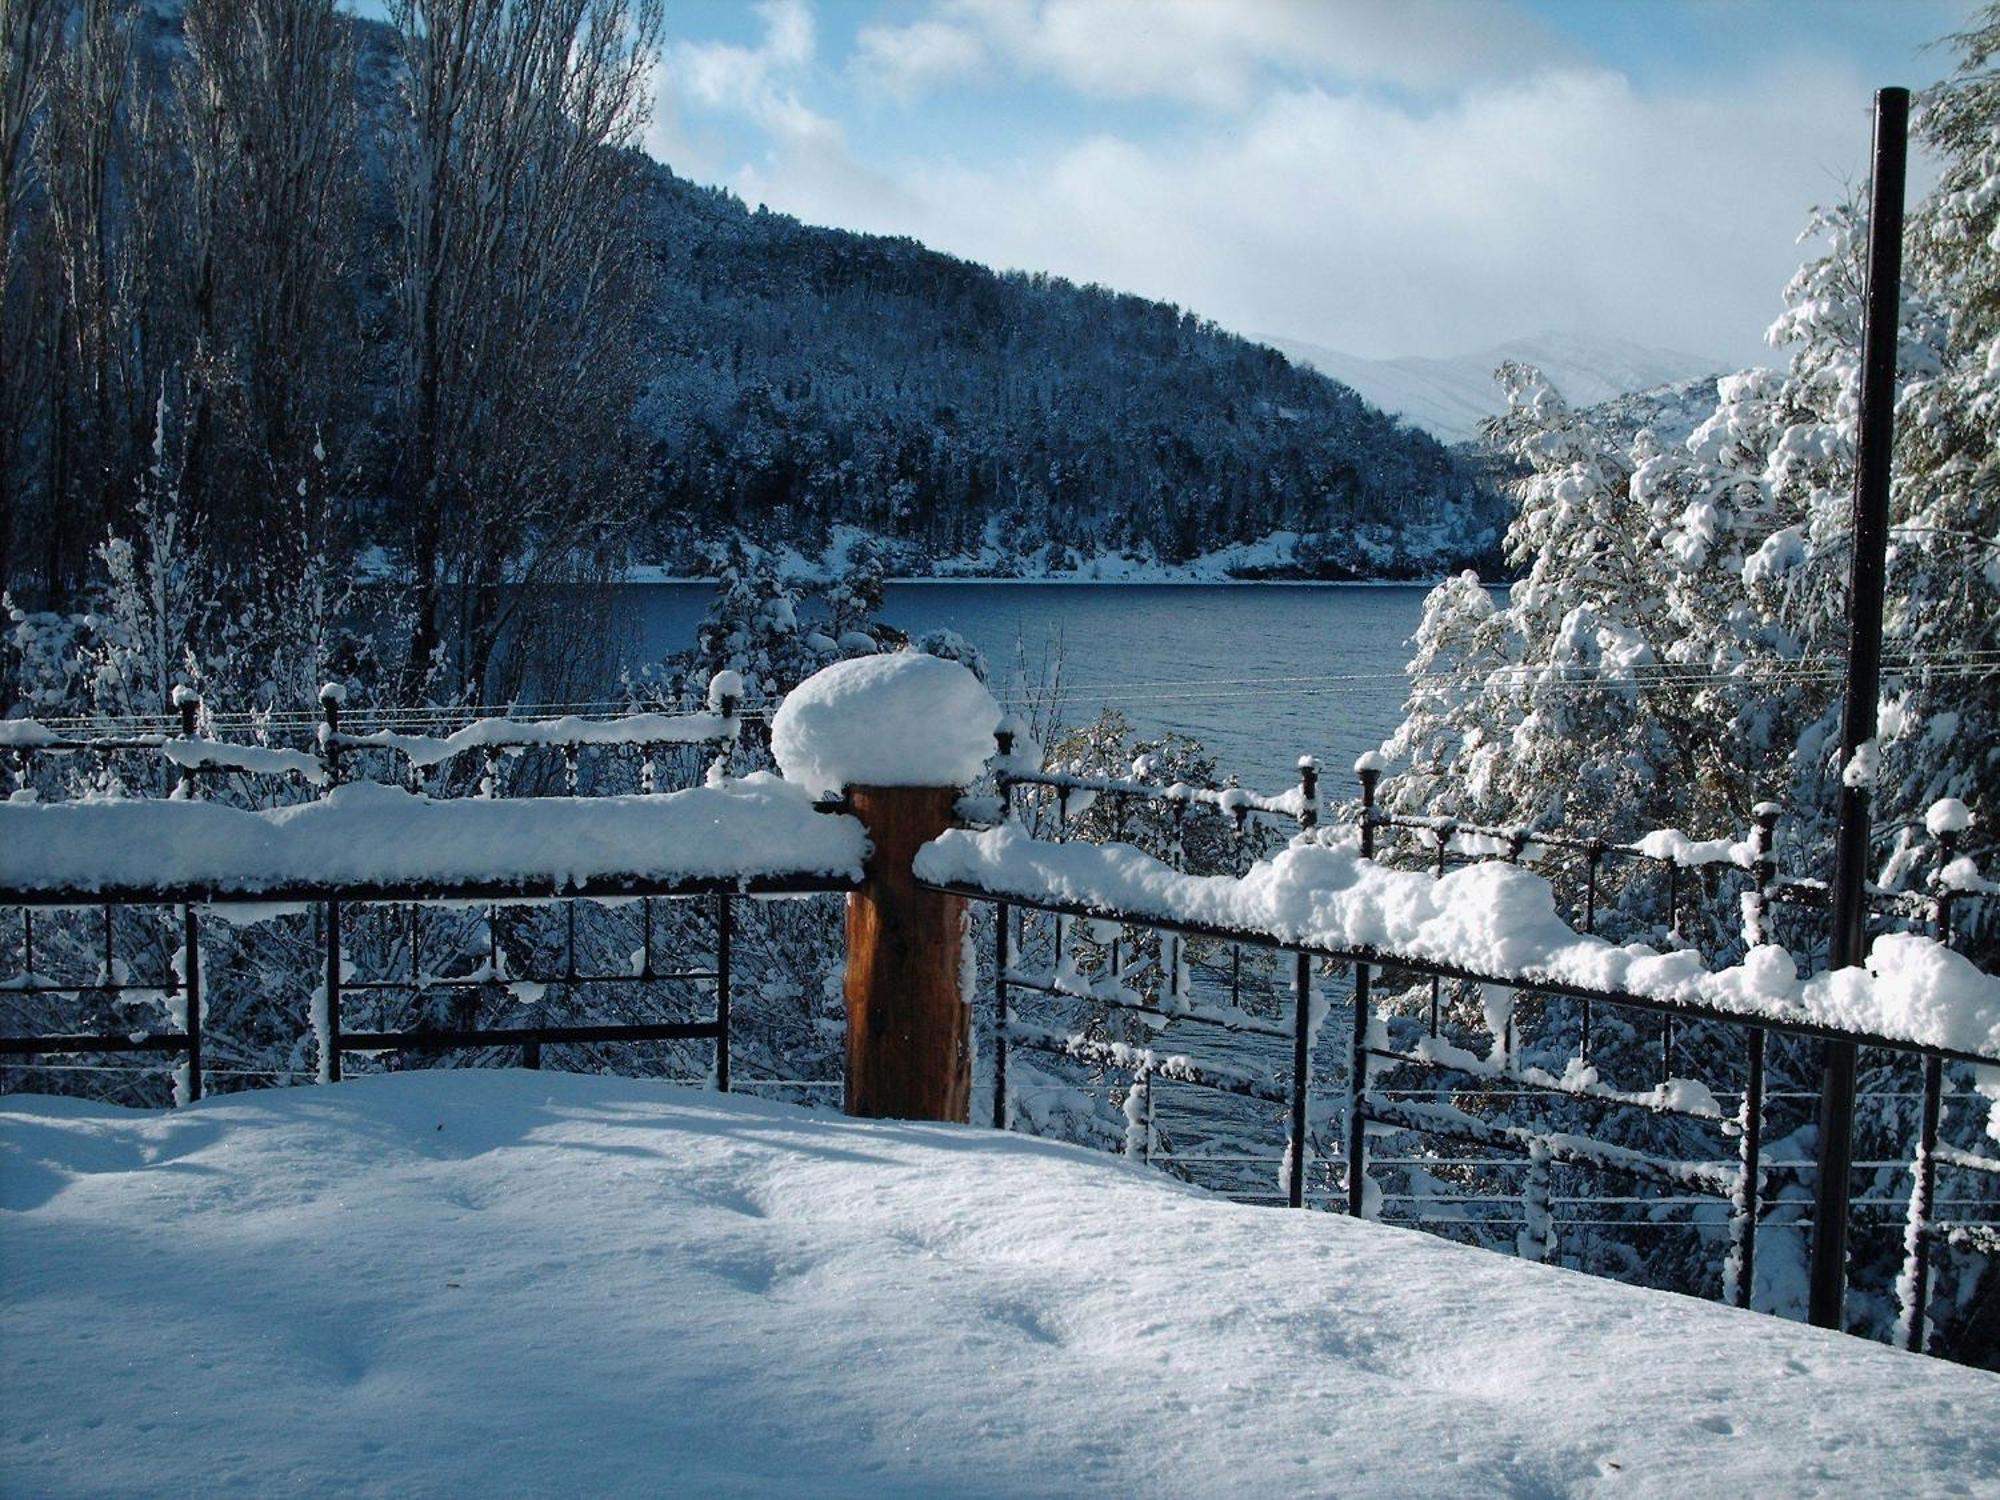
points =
(174, 758)
(1385, 1082)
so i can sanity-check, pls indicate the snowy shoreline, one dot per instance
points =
(649, 578)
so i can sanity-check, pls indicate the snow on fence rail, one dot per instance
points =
(365, 842)
(1493, 924)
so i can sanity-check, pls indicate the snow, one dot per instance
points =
(1675, 847)
(424, 751)
(1493, 919)
(262, 760)
(500, 1282)
(724, 687)
(1862, 765)
(1962, 874)
(368, 833)
(26, 734)
(1272, 558)
(903, 719)
(1947, 815)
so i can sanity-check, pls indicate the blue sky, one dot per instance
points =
(1380, 176)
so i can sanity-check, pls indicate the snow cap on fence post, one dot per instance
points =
(902, 720)
(725, 693)
(900, 735)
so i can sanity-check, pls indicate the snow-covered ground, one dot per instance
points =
(518, 1283)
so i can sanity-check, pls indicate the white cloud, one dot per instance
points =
(762, 84)
(906, 61)
(1378, 221)
(1204, 52)
(752, 81)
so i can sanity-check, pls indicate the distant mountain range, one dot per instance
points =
(1450, 397)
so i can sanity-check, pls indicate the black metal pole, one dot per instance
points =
(1870, 529)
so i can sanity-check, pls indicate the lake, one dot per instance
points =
(1260, 673)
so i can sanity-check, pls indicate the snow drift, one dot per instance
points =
(460, 1283)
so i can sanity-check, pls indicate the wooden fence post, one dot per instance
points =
(909, 1031)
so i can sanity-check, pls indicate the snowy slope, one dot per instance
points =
(1449, 397)
(516, 1283)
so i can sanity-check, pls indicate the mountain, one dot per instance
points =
(807, 378)
(1449, 397)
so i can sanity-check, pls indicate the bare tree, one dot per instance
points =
(266, 119)
(77, 148)
(513, 298)
(30, 31)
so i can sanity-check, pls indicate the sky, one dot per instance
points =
(1383, 177)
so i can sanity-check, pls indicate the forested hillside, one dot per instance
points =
(807, 376)
(283, 287)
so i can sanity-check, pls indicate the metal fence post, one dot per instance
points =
(1917, 1230)
(1870, 529)
(330, 1037)
(1750, 1178)
(725, 933)
(1443, 835)
(329, 736)
(1916, 1279)
(1001, 959)
(1593, 858)
(1003, 743)
(1740, 1283)
(1357, 1057)
(1295, 1166)
(191, 967)
(189, 704)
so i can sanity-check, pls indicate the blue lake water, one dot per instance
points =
(1261, 673)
